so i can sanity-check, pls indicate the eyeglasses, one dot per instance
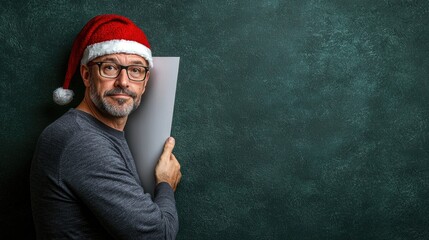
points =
(112, 70)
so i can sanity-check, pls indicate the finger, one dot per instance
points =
(168, 146)
(179, 177)
(174, 161)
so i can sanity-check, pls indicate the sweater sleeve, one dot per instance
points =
(95, 172)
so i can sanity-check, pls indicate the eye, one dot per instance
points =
(109, 67)
(137, 69)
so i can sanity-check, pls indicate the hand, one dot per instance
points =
(168, 168)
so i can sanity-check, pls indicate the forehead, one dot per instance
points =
(122, 58)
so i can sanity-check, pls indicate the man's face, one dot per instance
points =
(120, 96)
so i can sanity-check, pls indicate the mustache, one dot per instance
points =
(120, 91)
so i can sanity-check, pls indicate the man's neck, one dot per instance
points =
(114, 122)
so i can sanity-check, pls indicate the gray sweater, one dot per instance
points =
(84, 185)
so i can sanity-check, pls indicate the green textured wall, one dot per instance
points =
(293, 119)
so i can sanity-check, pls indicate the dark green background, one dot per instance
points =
(293, 119)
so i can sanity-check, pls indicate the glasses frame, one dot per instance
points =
(120, 70)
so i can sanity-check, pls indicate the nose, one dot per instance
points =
(122, 80)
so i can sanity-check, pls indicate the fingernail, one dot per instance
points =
(171, 139)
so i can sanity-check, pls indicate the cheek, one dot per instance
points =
(95, 84)
(140, 90)
(98, 89)
(101, 87)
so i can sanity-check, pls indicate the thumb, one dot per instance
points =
(168, 146)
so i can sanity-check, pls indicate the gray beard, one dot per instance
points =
(115, 110)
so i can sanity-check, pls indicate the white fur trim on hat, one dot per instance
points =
(116, 46)
(63, 96)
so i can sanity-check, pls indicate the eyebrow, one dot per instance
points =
(115, 61)
(137, 62)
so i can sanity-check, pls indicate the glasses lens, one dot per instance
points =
(136, 72)
(110, 70)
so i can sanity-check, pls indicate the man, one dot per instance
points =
(84, 183)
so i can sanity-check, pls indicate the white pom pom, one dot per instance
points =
(63, 96)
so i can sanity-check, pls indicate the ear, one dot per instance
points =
(84, 73)
(147, 79)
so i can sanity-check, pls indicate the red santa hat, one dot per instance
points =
(102, 35)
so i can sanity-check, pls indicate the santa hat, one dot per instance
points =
(102, 35)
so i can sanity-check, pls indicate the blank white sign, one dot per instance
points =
(150, 125)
